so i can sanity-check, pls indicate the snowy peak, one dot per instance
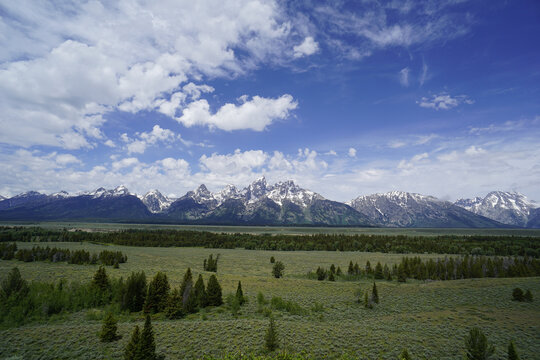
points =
(289, 191)
(510, 208)
(61, 195)
(256, 190)
(102, 192)
(156, 202)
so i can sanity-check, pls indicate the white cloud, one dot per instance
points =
(352, 152)
(236, 163)
(444, 101)
(255, 114)
(110, 143)
(404, 77)
(306, 48)
(145, 139)
(424, 75)
(66, 159)
(55, 91)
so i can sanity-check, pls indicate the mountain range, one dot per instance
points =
(283, 203)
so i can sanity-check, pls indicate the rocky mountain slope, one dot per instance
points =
(403, 209)
(506, 207)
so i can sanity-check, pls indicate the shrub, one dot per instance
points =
(517, 295)
(277, 270)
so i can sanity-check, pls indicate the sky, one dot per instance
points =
(346, 98)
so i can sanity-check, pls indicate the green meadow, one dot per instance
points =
(430, 319)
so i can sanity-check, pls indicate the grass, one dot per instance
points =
(323, 319)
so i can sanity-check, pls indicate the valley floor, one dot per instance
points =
(431, 319)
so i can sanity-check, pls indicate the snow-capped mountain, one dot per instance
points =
(2, 198)
(506, 207)
(102, 192)
(22, 199)
(155, 201)
(403, 209)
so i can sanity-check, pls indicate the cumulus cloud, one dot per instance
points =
(255, 114)
(352, 152)
(66, 65)
(444, 101)
(145, 139)
(306, 48)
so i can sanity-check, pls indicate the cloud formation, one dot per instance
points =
(444, 101)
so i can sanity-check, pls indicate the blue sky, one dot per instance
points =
(345, 98)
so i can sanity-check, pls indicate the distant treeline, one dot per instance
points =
(38, 253)
(401, 244)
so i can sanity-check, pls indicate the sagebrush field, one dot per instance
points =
(430, 319)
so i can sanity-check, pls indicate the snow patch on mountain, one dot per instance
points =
(510, 208)
(155, 201)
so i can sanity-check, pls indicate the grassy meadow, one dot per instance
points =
(431, 319)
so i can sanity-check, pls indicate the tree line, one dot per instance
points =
(38, 253)
(444, 244)
(447, 268)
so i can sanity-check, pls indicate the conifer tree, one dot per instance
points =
(333, 269)
(190, 300)
(108, 329)
(240, 294)
(369, 270)
(402, 277)
(528, 296)
(350, 271)
(147, 343)
(512, 352)
(186, 281)
(517, 294)
(174, 308)
(367, 302)
(331, 277)
(100, 279)
(158, 294)
(477, 346)
(134, 292)
(405, 355)
(200, 292)
(321, 274)
(277, 270)
(379, 271)
(272, 259)
(213, 292)
(13, 284)
(271, 338)
(386, 273)
(132, 351)
(375, 294)
(338, 271)
(356, 269)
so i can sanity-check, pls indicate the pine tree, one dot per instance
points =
(367, 302)
(402, 277)
(190, 301)
(186, 281)
(379, 271)
(277, 270)
(369, 270)
(109, 328)
(271, 340)
(213, 292)
(517, 294)
(158, 294)
(375, 294)
(147, 343)
(240, 294)
(350, 271)
(13, 284)
(477, 346)
(174, 308)
(132, 351)
(321, 274)
(338, 271)
(200, 292)
(331, 277)
(386, 272)
(134, 292)
(528, 296)
(101, 280)
(512, 353)
(333, 269)
(356, 269)
(272, 259)
(405, 355)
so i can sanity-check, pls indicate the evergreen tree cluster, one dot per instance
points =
(331, 274)
(519, 295)
(142, 345)
(504, 245)
(211, 263)
(80, 257)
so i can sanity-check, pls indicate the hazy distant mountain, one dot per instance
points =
(505, 207)
(403, 209)
(534, 219)
(21, 199)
